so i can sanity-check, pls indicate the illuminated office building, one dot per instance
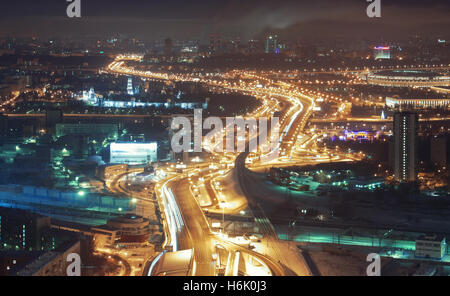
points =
(405, 146)
(130, 90)
(272, 44)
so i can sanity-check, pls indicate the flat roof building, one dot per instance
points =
(397, 102)
(52, 263)
(431, 246)
(86, 129)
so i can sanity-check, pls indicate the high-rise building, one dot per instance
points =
(215, 42)
(212, 43)
(168, 45)
(218, 42)
(272, 44)
(53, 116)
(439, 150)
(22, 230)
(405, 146)
(130, 90)
(3, 125)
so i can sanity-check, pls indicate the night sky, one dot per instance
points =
(196, 19)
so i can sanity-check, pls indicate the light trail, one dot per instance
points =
(174, 216)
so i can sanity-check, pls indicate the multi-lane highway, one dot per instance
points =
(186, 224)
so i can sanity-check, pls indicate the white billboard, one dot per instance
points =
(133, 153)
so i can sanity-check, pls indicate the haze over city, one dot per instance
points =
(195, 19)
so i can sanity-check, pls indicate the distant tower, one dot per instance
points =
(168, 47)
(130, 90)
(271, 44)
(405, 146)
(212, 43)
(219, 42)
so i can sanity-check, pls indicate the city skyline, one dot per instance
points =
(224, 138)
